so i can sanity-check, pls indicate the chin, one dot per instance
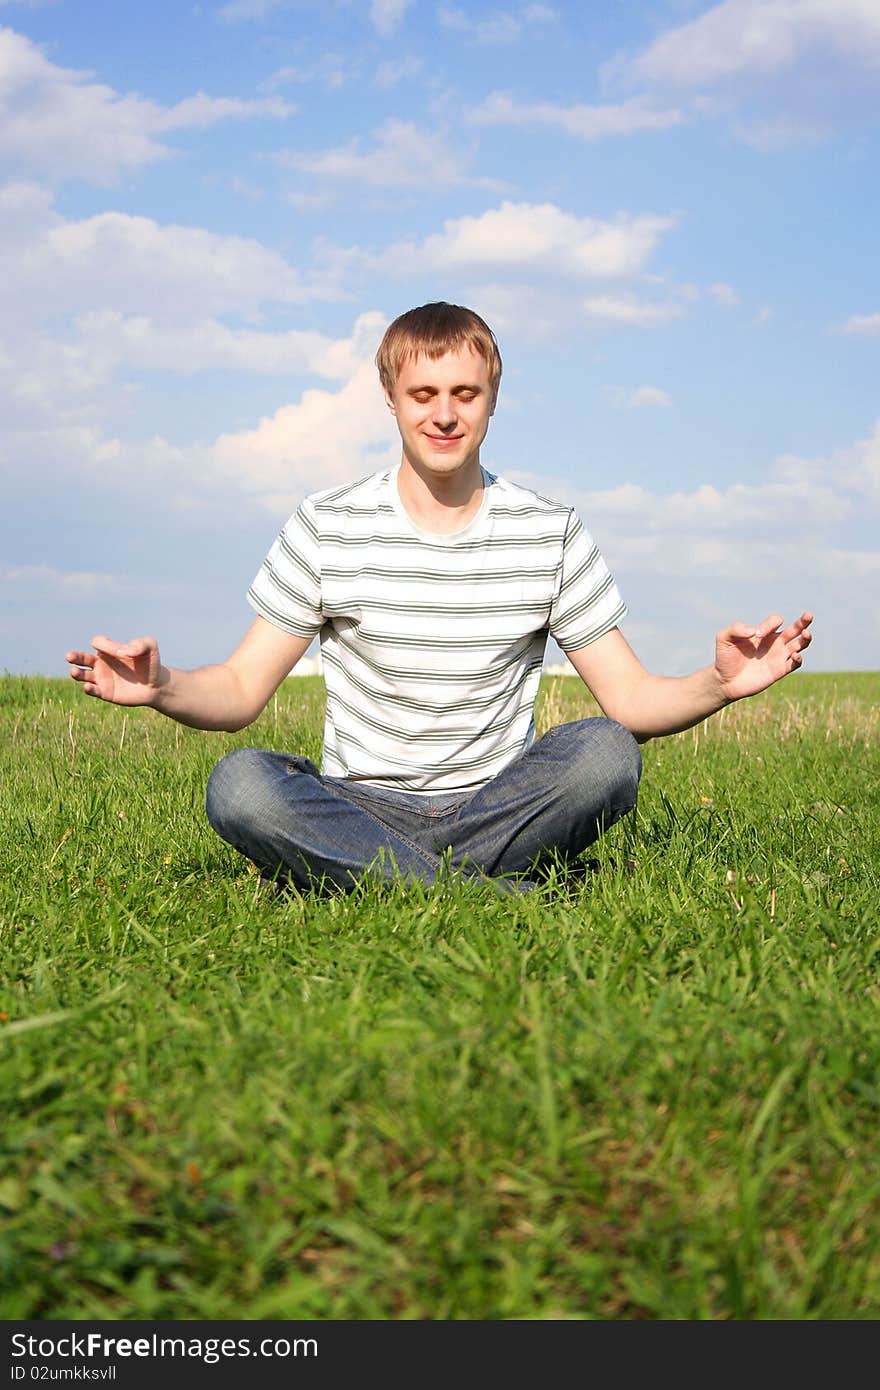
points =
(442, 463)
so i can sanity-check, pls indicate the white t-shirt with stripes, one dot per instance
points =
(432, 645)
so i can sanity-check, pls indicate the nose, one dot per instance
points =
(445, 413)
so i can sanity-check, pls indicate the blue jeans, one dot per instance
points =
(550, 803)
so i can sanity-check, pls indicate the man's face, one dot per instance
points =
(443, 408)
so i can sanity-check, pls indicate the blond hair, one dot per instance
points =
(435, 329)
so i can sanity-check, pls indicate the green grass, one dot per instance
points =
(651, 1095)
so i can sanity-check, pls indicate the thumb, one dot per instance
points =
(738, 630)
(771, 624)
(140, 646)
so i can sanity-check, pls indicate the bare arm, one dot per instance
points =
(227, 696)
(747, 660)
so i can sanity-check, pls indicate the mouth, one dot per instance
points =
(444, 441)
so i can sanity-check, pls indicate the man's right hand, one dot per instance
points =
(228, 696)
(125, 673)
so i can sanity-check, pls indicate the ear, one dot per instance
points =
(389, 401)
(494, 403)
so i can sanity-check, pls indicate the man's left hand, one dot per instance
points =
(749, 659)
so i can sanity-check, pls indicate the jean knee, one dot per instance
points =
(628, 760)
(231, 787)
(608, 754)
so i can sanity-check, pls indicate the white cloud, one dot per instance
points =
(25, 208)
(798, 512)
(403, 156)
(57, 122)
(629, 310)
(328, 68)
(108, 341)
(538, 238)
(791, 523)
(581, 121)
(777, 133)
(326, 437)
(757, 36)
(74, 585)
(85, 304)
(309, 202)
(524, 264)
(249, 9)
(724, 294)
(854, 468)
(499, 27)
(691, 561)
(784, 72)
(540, 310)
(535, 313)
(200, 111)
(867, 325)
(629, 398)
(55, 265)
(66, 581)
(387, 14)
(389, 74)
(709, 510)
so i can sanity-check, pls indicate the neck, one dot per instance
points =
(441, 504)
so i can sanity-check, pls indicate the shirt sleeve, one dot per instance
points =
(587, 602)
(287, 587)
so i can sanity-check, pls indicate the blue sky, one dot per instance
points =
(668, 211)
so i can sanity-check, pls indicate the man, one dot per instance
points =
(433, 586)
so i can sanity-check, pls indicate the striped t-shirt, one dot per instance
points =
(432, 645)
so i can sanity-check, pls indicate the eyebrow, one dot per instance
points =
(463, 386)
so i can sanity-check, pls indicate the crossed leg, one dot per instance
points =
(555, 799)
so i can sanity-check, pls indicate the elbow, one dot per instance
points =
(640, 735)
(237, 720)
(242, 712)
(619, 716)
(235, 726)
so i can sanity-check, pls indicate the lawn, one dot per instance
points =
(650, 1094)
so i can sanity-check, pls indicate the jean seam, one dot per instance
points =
(377, 795)
(333, 787)
(423, 854)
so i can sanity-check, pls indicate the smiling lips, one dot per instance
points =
(444, 441)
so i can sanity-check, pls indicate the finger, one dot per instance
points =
(799, 625)
(799, 641)
(107, 646)
(139, 647)
(80, 659)
(86, 679)
(738, 630)
(771, 624)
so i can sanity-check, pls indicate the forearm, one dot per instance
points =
(228, 696)
(657, 705)
(211, 697)
(747, 661)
